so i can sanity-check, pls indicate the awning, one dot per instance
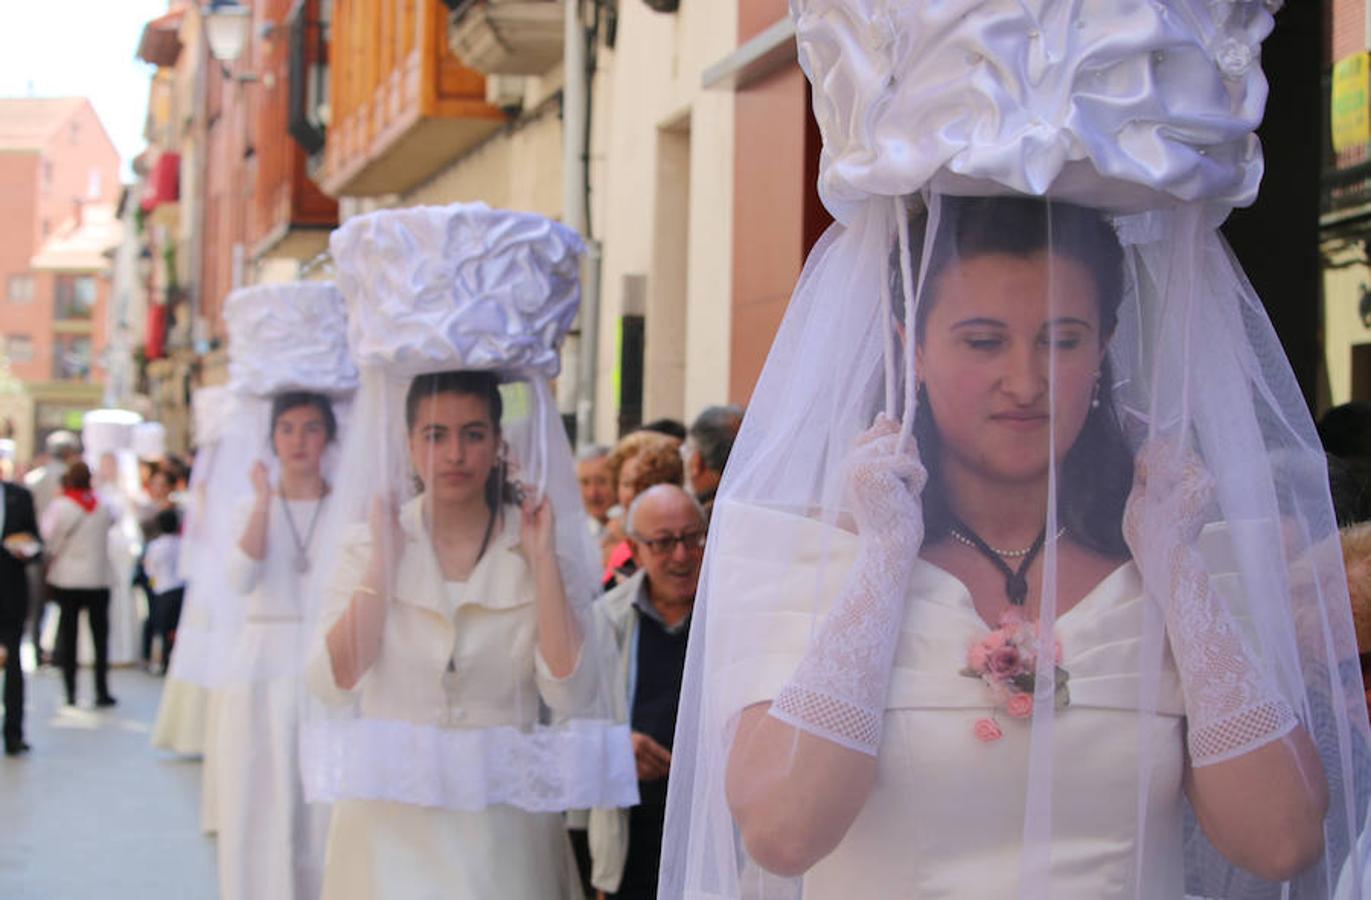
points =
(161, 43)
(164, 182)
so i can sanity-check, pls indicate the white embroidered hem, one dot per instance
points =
(577, 765)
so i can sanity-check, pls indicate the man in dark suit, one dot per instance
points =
(19, 544)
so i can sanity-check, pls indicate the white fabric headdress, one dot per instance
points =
(288, 337)
(107, 431)
(992, 157)
(1127, 105)
(458, 287)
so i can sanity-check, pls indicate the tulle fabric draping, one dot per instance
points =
(840, 598)
(455, 682)
(213, 613)
(194, 660)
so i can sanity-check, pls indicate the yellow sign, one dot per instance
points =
(1351, 100)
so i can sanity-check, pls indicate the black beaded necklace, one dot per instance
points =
(1015, 582)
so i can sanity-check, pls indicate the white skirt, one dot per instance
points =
(380, 850)
(270, 841)
(181, 718)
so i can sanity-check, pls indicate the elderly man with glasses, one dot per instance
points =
(649, 617)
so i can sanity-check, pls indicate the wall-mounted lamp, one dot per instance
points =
(228, 24)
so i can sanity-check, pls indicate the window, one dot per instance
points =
(47, 177)
(19, 289)
(19, 348)
(75, 296)
(71, 357)
(93, 184)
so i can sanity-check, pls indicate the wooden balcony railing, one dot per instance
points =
(291, 215)
(403, 106)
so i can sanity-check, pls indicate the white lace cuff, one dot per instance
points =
(843, 723)
(1241, 733)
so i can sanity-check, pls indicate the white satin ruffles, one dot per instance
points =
(1122, 104)
(462, 286)
(288, 337)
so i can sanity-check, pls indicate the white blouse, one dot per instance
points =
(77, 542)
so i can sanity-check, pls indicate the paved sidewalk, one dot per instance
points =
(93, 811)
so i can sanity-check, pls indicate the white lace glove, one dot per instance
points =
(1231, 706)
(838, 691)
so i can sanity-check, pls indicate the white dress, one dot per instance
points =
(945, 818)
(487, 626)
(270, 840)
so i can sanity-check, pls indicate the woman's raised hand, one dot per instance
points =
(387, 541)
(261, 481)
(1172, 492)
(885, 482)
(538, 526)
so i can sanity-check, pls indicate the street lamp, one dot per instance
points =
(227, 26)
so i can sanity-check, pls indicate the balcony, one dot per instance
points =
(508, 37)
(291, 216)
(403, 106)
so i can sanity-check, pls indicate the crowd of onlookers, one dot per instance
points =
(60, 533)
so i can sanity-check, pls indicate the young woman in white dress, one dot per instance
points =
(1014, 393)
(271, 841)
(450, 611)
(1069, 619)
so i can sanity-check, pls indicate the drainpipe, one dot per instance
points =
(576, 212)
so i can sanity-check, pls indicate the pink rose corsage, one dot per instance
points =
(1006, 660)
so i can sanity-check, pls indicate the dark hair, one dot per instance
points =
(1347, 483)
(469, 383)
(1345, 430)
(168, 521)
(713, 433)
(668, 427)
(77, 477)
(1097, 471)
(285, 402)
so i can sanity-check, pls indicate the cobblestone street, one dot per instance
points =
(93, 811)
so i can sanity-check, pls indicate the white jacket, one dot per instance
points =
(615, 623)
(77, 544)
(490, 633)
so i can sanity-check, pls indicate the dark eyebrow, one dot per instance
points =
(479, 423)
(1071, 320)
(979, 321)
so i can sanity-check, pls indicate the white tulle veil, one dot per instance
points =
(1129, 120)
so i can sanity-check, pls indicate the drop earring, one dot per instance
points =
(1095, 394)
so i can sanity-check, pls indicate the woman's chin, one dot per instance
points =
(454, 495)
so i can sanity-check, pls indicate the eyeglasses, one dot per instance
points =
(664, 546)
